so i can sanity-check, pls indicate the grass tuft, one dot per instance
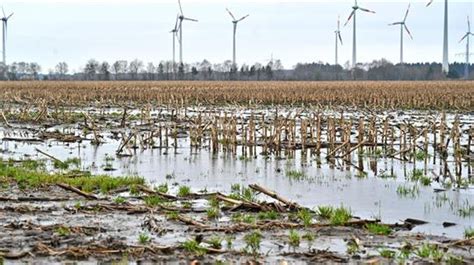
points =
(379, 229)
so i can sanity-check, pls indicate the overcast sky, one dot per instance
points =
(47, 31)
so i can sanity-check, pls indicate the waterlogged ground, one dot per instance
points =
(385, 191)
(314, 184)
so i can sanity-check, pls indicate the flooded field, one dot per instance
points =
(234, 182)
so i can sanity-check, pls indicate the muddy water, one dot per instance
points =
(322, 184)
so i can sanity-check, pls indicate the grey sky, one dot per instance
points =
(47, 31)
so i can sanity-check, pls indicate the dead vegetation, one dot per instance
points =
(382, 95)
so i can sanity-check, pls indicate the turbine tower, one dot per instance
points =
(354, 35)
(235, 22)
(445, 37)
(338, 39)
(181, 18)
(5, 27)
(466, 36)
(402, 27)
(174, 32)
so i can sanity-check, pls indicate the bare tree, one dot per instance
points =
(119, 68)
(150, 70)
(62, 69)
(135, 67)
(105, 71)
(35, 68)
(91, 69)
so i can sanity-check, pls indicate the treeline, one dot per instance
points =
(205, 70)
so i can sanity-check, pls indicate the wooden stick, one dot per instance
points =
(48, 155)
(274, 195)
(77, 191)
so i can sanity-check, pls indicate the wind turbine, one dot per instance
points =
(354, 37)
(181, 17)
(402, 26)
(5, 26)
(466, 36)
(338, 39)
(235, 22)
(445, 36)
(174, 32)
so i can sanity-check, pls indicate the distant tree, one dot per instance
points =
(150, 69)
(277, 65)
(119, 68)
(61, 69)
(252, 71)
(135, 67)
(194, 72)
(169, 70)
(453, 74)
(269, 72)
(105, 70)
(13, 71)
(181, 71)
(161, 70)
(3, 71)
(91, 69)
(209, 72)
(22, 68)
(116, 69)
(35, 68)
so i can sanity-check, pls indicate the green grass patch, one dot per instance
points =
(379, 229)
(192, 246)
(240, 192)
(305, 216)
(407, 191)
(144, 238)
(26, 177)
(469, 232)
(295, 174)
(153, 201)
(294, 239)
(252, 242)
(387, 253)
(341, 216)
(271, 215)
(325, 212)
(163, 188)
(184, 191)
(212, 213)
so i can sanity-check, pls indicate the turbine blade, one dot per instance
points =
(340, 38)
(406, 14)
(468, 25)
(429, 3)
(230, 13)
(176, 23)
(408, 31)
(190, 19)
(244, 17)
(394, 23)
(465, 36)
(366, 10)
(3, 11)
(180, 7)
(349, 19)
